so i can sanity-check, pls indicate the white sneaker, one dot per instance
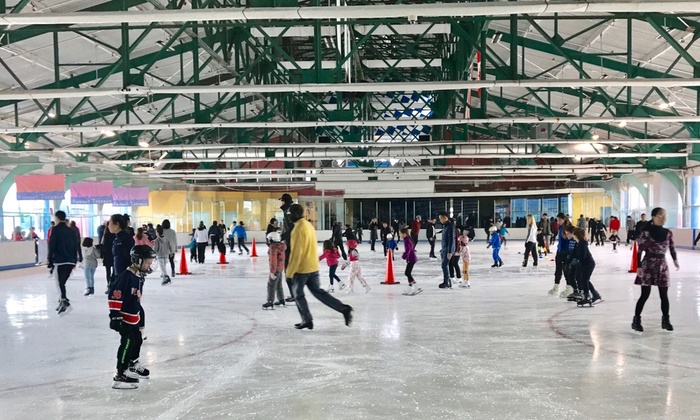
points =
(469, 286)
(330, 289)
(566, 292)
(554, 290)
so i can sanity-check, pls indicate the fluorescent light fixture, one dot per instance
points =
(496, 38)
(665, 105)
(595, 137)
(144, 143)
(108, 133)
(622, 124)
(52, 114)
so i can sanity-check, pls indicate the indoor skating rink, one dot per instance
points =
(500, 350)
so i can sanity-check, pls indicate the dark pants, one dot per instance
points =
(372, 242)
(414, 239)
(445, 267)
(214, 242)
(171, 258)
(241, 246)
(584, 273)
(332, 275)
(129, 346)
(201, 251)
(312, 281)
(63, 272)
(571, 274)
(340, 246)
(630, 236)
(193, 254)
(431, 241)
(109, 270)
(385, 248)
(646, 291)
(230, 242)
(454, 267)
(530, 249)
(409, 270)
(560, 262)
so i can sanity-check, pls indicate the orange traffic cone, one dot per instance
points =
(389, 277)
(222, 258)
(254, 250)
(633, 265)
(183, 263)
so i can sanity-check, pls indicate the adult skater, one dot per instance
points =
(373, 227)
(630, 225)
(654, 241)
(581, 223)
(214, 235)
(303, 268)
(122, 244)
(125, 315)
(386, 230)
(106, 246)
(416, 226)
(171, 237)
(430, 235)
(62, 257)
(531, 242)
(584, 264)
(202, 238)
(561, 258)
(448, 248)
(337, 239)
(546, 227)
(287, 227)
(240, 233)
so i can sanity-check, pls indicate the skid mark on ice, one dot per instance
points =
(558, 331)
(241, 337)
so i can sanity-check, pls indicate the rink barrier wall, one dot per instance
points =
(14, 255)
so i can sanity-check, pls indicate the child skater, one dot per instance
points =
(160, 246)
(331, 255)
(391, 245)
(355, 268)
(125, 315)
(614, 239)
(466, 259)
(276, 250)
(502, 232)
(90, 256)
(495, 243)
(193, 247)
(540, 243)
(585, 264)
(409, 254)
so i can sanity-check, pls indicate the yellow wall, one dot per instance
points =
(177, 206)
(589, 204)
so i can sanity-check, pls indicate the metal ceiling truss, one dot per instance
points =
(353, 75)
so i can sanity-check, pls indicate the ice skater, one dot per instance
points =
(355, 269)
(303, 268)
(276, 252)
(331, 255)
(502, 232)
(541, 249)
(455, 271)
(392, 245)
(162, 250)
(583, 262)
(654, 241)
(495, 243)
(466, 260)
(125, 316)
(90, 254)
(531, 241)
(240, 233)
(561, 256)
(64, 247)
(409, 255)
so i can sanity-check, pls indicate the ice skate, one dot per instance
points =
(554, 290)
(166, 281)
(289, 299)
(301, 326)
(574, 297)
(585, 300)
(469, 285)
(666, 323)
(500, 263)
(124, 382)
(596, 298)
(342, 286)
(330, 289)
(566, 292)
(64, 308)
(495, 265)
(136, 370)
(367, 288)
(351, 290)
(637, 324)
(280, 303)
(345, 265)
(268, 305)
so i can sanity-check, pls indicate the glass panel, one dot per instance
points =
(502, 211)
(518, 211)
(551, 207)
(564, 205)
(534, 206)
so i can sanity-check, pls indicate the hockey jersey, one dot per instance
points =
(125, 298)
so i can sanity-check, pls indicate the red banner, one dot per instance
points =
(40, 187)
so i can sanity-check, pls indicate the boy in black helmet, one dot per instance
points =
(124, 314)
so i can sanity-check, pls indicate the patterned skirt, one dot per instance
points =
(654, 272)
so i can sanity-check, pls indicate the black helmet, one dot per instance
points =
(141, 253)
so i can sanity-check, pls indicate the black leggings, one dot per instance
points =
(110, 272)
(201, 251)
(409, 270)
(583, 275)
(531, 249)
(241, 246)
(171, 257)
(560, 261)
(646, 291)
(332, 275)
(454, 267)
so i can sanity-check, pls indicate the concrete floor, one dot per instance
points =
(500, 350)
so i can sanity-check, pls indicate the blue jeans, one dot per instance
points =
(90, 276)
(312, 281)
(496, 257)
(445, 266)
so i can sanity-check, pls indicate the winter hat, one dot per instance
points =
(464, 239)
(274, 237)
(492, 229)
(389, 236)
(352, 243)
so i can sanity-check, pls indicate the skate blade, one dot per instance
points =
(66, 312)
(124, 385)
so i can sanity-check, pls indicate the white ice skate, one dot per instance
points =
(330, 289)
(367, 288)
(342, 286)
(124, 382)
(136, 370)
(566, 292)
(554, 290)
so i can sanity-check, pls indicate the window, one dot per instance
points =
(518, 212)
(534, 207)
(694, 202)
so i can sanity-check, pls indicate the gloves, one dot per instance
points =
(50, 266)
(115, 323)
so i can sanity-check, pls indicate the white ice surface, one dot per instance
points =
(500, 350)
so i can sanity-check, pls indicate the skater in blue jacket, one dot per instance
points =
(495, 243)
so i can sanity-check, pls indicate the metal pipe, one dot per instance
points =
(137, 91)
(412, 11)
(98, 129)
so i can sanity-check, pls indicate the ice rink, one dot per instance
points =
(500, 350)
